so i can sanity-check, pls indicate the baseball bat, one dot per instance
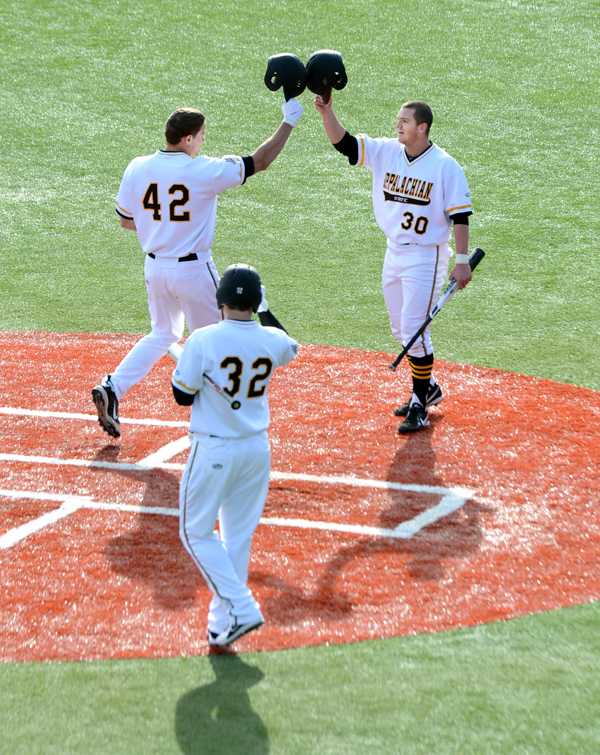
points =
(221, 391)
(445, 296)
(175, 351)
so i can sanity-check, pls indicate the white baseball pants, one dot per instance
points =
(178, 292)
(228, 478)
(412, 280)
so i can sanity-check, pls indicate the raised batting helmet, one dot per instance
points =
(325, 69)
(239, 288)
(288, 71)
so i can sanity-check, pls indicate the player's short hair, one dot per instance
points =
(185, 121)
(423, 113)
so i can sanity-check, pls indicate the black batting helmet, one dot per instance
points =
(288, 71)
(239, 288)
(325, 69)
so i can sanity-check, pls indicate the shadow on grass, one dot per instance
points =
(218, 717)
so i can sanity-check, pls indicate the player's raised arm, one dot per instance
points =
(343, 141)
(333, 128)
(264, 155)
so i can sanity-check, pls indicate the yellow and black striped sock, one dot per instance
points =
(421, 368)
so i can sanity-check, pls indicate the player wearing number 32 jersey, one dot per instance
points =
(419, 192)
(223, 373)
(170, 199)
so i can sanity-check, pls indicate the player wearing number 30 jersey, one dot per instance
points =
(419, 191)
(413, 198)
(170, 199)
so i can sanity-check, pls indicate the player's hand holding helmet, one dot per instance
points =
(292, 112)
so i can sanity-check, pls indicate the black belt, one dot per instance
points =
(188, 257)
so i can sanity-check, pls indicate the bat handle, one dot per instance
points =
(476, 258)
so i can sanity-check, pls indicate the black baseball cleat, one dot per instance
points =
(416, 419)
(211, 637)
(217, 649)
(434, 397)
(233, 633)
(107, 406)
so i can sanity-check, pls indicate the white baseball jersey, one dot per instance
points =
(413, 200)
(239, 356)
(172, 198)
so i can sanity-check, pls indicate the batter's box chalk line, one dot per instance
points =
(450, 499)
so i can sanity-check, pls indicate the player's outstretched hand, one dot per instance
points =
(292, 112)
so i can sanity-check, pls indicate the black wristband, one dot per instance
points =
(181, 397)
(461, 218)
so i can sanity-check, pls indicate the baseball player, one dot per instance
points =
(419, 191)
(170, 200)
(223, 373)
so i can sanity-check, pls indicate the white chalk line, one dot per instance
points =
(73, 503)
(15, 535)
(166, 452)
(144, 466)
(21, 412)
(451, 498)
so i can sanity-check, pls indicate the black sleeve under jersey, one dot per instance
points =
(348, 145)
(268, 319)
(461, 218)
(248, 167)
(181, 397)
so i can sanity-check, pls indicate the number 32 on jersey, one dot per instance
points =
(262, 367)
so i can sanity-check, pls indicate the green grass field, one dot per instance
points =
(513, 86)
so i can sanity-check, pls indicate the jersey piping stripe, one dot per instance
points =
(184, 527)
(212, 275)
(123, 215)
(361, 142)
(435, 269)
(185, 388)
(458, 207)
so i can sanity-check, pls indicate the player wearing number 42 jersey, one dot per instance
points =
(170, 199)
(419, 192)
(223, 373)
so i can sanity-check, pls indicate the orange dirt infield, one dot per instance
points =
(489, 514)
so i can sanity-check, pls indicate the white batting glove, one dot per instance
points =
(292, 112)
(264, 304)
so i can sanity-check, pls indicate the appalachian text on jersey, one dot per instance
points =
(406, 189)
